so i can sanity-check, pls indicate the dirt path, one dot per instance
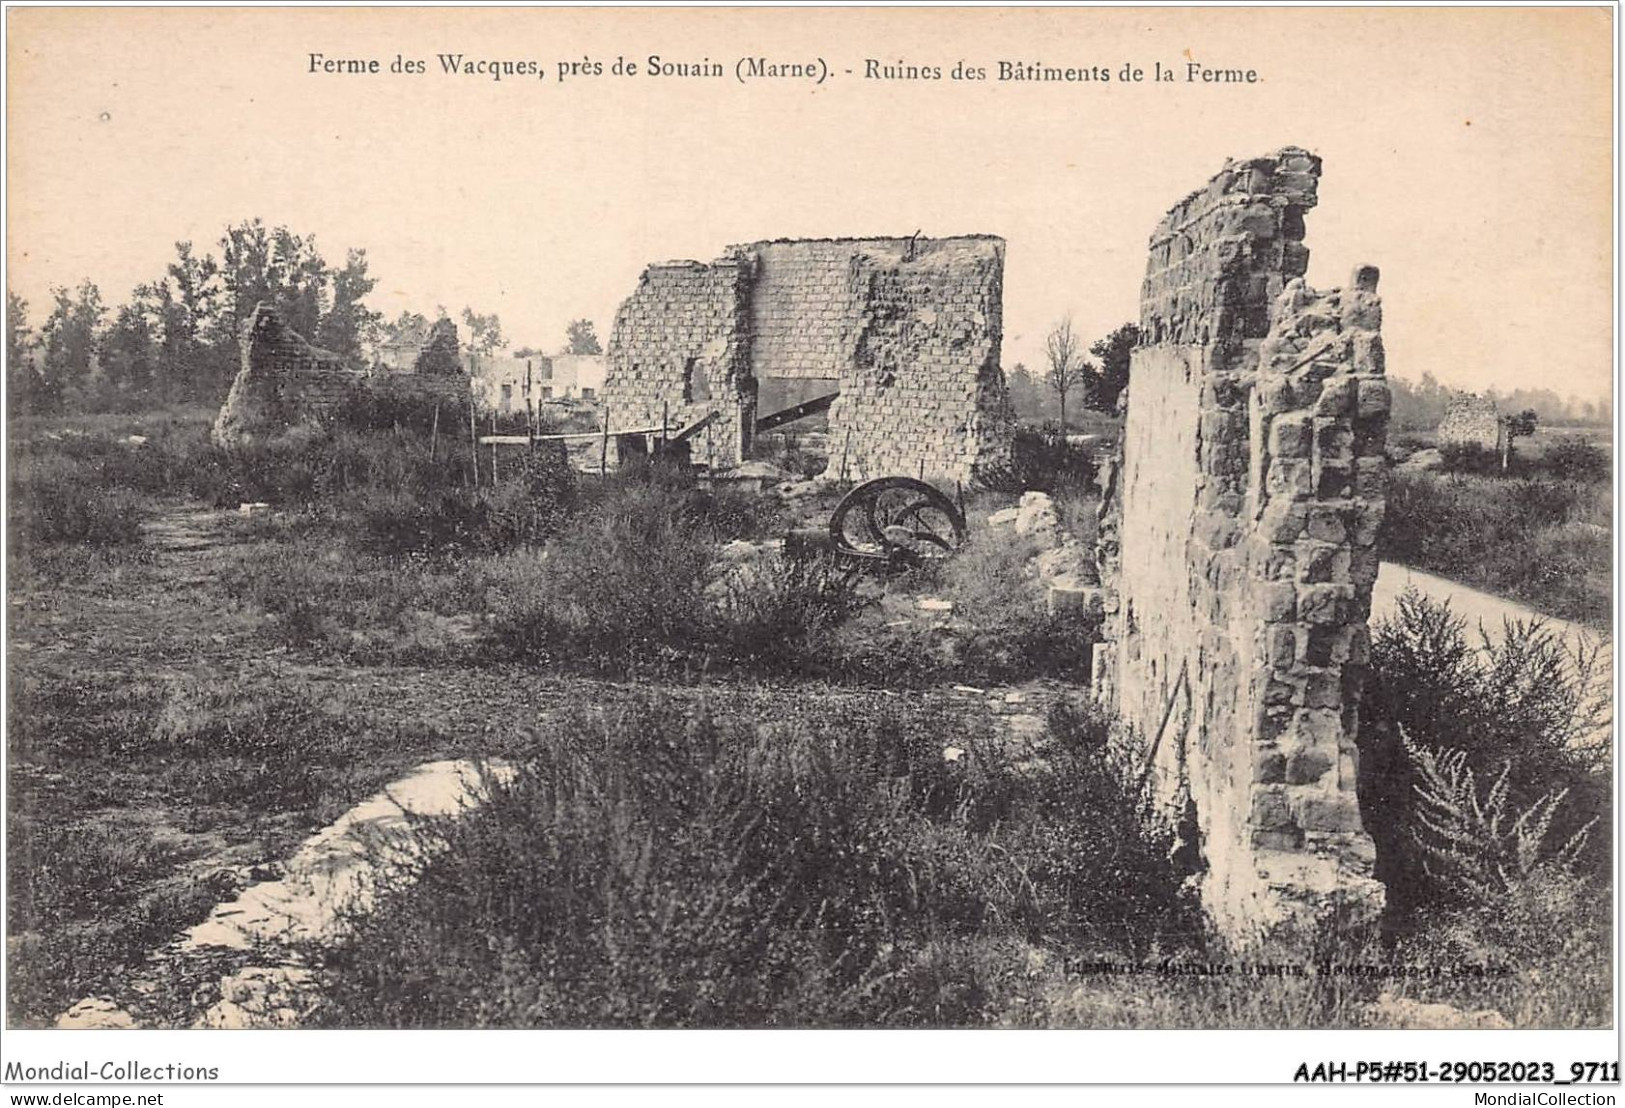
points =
(337, 871)
(1479, 609)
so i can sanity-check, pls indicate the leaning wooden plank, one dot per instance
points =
(695, 428)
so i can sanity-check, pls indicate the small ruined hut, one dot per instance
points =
(284, 384)
(1472, 420)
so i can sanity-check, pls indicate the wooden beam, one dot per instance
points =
(800, 411)
(696, 427)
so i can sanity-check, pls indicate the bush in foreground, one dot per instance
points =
(1506, 728)
(846, 868)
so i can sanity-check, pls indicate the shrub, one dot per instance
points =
(1475, 847)
(1575, 457)
(1538, 539)
(55, 501)
(1042, 459)
(622, 587)
(1524, 711)
(832, 869)
(779, 614)
(1469, 457)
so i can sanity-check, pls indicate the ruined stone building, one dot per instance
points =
(399, 350)
(503, 383)
(285, 384)
(1472, 420)
(907, 330)
(1238, 546)
(575, 376)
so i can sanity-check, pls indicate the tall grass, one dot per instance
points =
(1546, 541)
(655, 868)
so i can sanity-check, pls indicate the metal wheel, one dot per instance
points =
(897, 518)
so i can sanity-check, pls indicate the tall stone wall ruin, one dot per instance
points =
(908, 331)
(1237, 546)
(678, 350)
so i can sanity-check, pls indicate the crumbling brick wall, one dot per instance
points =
(1471, 419)
(679, 350)
(284, 382)
(1237, 546)
(908, 330)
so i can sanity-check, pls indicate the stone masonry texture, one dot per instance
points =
(285, 383)
(1238, 547)
(1471, 419)
(908, 330)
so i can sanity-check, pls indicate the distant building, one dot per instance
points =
(399, 353)
(507, 384)
(577, 376)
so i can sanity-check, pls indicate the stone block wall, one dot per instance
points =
(680, 349)
(284, 383)
(922, 393)
(1471, 419)
(908, 330)
(1238, 551)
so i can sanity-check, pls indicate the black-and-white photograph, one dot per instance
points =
(955, 518)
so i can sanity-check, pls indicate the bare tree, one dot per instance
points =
(1066, 366)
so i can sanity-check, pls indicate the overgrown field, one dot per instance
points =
(1540, 536)
(748, 794)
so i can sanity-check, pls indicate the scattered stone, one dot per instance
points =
(1023, 725)
(96, 1013)
(1067, 596)
(1036, 519)
(1004, 517)
(262, 997)
(253, 508)
(933, 604)
(739, 550)
(337, 869)
(136, 440)
(799, 490)
(1070, 559)
(1423, 461)
(952, 753)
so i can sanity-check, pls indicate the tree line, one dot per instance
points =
(1420, 405)
(176, 340)
(1097, 380)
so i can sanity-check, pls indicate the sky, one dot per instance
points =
(1467, 153)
